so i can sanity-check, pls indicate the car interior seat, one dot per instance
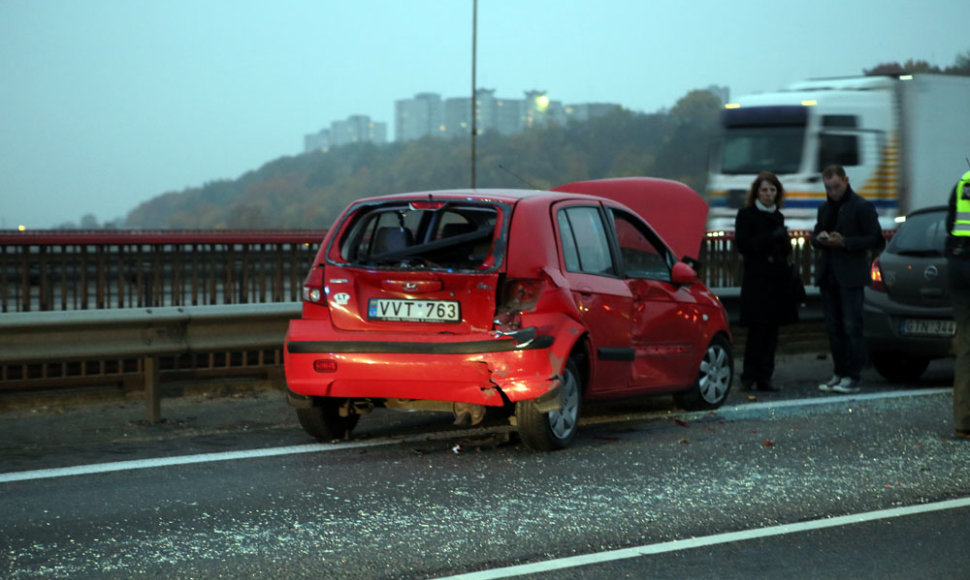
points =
(391, 239)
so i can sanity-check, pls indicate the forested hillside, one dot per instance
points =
(308, 191)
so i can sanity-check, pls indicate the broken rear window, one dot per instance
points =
(422, 234)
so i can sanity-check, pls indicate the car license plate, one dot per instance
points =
(923, 327)
(413, 310)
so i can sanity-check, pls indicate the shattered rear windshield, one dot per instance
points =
(423, 235)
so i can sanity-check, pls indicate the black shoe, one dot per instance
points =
(747, 384)
(768, 387)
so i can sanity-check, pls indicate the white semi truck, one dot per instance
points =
(903, 140)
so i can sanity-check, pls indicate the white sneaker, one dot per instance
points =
(847, 386)
(828, 385)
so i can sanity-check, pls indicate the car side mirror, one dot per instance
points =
(682, 274)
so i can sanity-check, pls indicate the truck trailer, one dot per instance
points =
(903, 140)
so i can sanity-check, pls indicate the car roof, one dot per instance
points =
(501, 195)
(674, 210)
(927, 210)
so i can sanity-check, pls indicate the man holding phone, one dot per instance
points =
(846, 237)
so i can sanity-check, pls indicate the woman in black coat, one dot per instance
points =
(767, 300)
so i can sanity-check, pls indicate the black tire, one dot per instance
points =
(897, 367)
(555, 429)
(323, 421)
(714, 376)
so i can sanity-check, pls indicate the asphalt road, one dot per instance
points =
(228, 487)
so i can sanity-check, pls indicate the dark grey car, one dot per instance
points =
(908, 316)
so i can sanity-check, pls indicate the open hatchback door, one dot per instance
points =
(674, 210)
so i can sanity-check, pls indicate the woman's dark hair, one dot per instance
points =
(756, 184)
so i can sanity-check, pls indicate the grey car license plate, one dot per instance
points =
(925, 327)
(413, 310)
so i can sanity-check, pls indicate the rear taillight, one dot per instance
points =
(520, 294)
(313, 287)
(516, 296)
(876, 272)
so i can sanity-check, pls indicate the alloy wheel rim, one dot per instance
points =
(715, 374)
(563, 421)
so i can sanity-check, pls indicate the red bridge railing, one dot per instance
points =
(72, 270)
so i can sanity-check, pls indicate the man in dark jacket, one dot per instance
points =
(846, 236)
(958, 275)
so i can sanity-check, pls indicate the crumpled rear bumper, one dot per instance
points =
(484, 369)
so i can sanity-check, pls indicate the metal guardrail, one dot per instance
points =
(97, 308)
(80, 342)
(84, 337)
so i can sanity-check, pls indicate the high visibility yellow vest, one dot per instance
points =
(961, 225)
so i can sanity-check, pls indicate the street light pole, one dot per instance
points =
(474, 96)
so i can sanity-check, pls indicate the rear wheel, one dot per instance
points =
(713, 378)
(555, 429)
(324, 422)
(897, 367)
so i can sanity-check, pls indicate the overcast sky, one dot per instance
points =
(107, 103)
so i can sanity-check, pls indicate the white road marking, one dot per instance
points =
(180, 460)
(675, 545)
(136, 464)
(735, 412)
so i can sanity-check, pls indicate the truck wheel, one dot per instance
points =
(710, 389)
(897, 367)
(324, 422)
(555, 429)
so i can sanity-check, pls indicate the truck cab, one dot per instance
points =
(893, 134)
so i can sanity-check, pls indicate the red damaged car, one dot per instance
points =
(527, 302)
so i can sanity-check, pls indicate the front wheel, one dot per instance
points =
(713, 378)
(324, 420)
(555, 429)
